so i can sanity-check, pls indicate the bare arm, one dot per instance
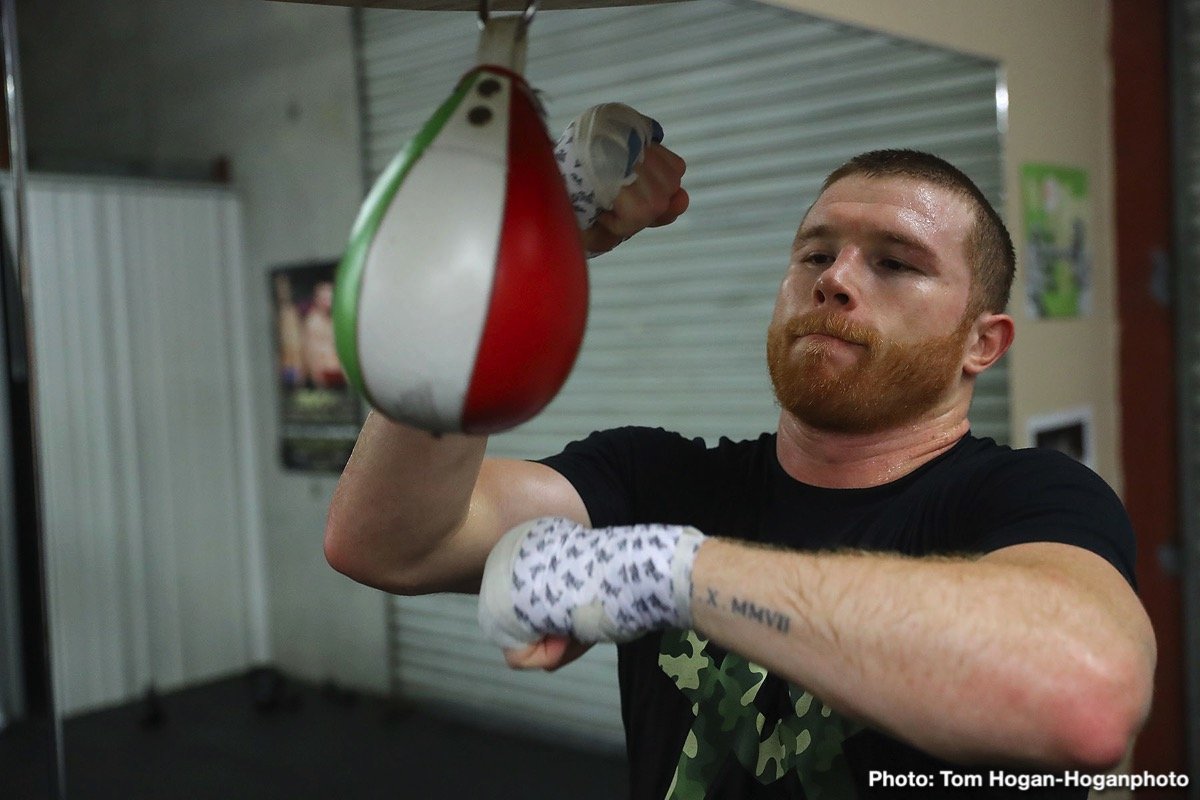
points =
(1035, 653)
(415, 513)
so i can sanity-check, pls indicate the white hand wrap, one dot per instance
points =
(552, 576)
(597, 153)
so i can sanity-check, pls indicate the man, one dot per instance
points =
(320, 354)
(924, 599)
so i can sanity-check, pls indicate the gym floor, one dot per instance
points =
(264, 737)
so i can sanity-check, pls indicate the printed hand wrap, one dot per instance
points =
(597, 154)
(552, 576)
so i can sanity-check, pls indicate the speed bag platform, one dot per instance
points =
(462, 299)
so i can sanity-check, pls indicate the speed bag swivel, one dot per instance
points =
(462, 299)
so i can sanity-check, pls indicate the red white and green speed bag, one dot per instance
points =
(461, 302)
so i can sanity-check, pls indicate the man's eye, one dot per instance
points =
(818, 259)
(893, 264)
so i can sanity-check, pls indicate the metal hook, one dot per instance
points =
(531, 7)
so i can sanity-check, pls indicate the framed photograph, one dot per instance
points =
(1069, 431)
(319, 413)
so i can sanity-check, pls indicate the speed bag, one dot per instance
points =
(461, 302)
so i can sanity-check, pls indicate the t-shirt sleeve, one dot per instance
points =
(1046, 496)
(624, 475)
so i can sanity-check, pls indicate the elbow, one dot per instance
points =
(340, 552)
(1102, 712)
(336, 553)
(349, 550)
(346, 551)
(338, 536)
(346, 557)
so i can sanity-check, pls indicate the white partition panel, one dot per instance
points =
(151, 516)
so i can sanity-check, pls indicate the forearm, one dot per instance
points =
(968, 660)
(402, 494)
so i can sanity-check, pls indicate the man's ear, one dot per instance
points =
(989, 339)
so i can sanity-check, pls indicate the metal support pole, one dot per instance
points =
(16, 147)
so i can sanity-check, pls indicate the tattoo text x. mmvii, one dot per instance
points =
(772, 619)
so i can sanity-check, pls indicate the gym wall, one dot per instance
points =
(151, 85)
(271, 86)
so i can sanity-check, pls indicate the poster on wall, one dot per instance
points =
(1068, 431)
(320, 413)
(1055, 210)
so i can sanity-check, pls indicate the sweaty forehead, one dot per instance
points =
(921, 207)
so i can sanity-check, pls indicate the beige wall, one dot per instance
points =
(1054, 55)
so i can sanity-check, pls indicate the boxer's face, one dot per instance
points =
(870, 325)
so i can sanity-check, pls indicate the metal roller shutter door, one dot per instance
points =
(762, 103)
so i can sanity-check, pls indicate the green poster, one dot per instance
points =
(1056, 209)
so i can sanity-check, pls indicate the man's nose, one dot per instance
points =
(836, 283)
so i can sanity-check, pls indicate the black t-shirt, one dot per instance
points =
(701, 722)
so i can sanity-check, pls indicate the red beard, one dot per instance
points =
(891, 384)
